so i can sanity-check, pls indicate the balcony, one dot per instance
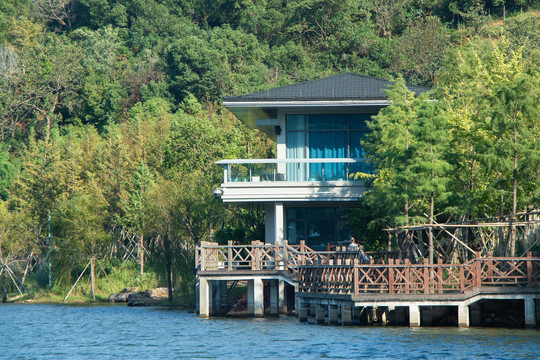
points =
(250, 180)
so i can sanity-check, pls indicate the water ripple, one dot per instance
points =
(90, 332)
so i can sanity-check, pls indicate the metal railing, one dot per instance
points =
(272, 170)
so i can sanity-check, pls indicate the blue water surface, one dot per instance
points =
(120, 332)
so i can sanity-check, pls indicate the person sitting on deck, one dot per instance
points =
(353, 246)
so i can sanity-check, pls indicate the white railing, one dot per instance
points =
(271, 170)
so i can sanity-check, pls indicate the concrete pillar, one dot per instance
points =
(333, 314)
(320, 314)
(530, 312)
(279, 218)
(463, 315)
(302, 310)
(346, 315)
(414, 315)
(269, 219)
(205, 294)
(255, 298)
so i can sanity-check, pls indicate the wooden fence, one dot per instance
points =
(406, 278)
(257, 256)
(342, 272)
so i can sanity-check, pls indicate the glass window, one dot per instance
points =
(295, 232)
(330, 144)
(295, 122)
(322, 226)
(294, 213)
(358, 121)
(327, 122)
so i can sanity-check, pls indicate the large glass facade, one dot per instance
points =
(318, 227)
(321, 137)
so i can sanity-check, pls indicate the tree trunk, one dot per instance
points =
(4, 276)
(141, 253)
(502, 243)
(168, 263)
(512, 218)
(431, 207)
(430, 233)
(93, 277)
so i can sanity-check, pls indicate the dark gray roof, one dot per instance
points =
(346, 86)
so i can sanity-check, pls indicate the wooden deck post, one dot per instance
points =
(256, 256)
(439, 276)
(477, 270)
(406, 274)
(530, 282)
(285, 255)
(229, 255)
(302, 250)
(356, 289)
(461, 279)
(203, 254)
(390, 276)
(426, 276)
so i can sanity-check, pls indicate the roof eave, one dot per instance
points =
(305, 103)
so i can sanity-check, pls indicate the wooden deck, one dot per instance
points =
(340, 277)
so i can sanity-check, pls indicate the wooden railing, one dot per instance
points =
(257, 256)
(406, 278)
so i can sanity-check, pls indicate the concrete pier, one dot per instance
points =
(255, 298)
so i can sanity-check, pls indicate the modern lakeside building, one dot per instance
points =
(318, 126)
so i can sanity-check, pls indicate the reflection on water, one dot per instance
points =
(90, 332)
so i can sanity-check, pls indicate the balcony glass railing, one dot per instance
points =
(260, 170)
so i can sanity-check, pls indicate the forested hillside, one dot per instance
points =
(111, 119)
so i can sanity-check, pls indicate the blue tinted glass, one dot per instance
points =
(356, 148)
(358, 121)
(324, 145)
(327, 122)
(295, 122)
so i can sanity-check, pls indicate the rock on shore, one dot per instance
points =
(142, 298)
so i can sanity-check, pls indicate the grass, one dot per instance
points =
(119, 277)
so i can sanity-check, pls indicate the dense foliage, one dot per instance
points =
(110, 115)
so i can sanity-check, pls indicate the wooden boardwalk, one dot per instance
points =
(340, 278)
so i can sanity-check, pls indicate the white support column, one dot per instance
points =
(414, 315)
(463, 315)
(205, 293)
(279, 218)
(530, 312)
(255, 298)
(269, 220)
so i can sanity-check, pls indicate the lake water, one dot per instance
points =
(104, 332)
